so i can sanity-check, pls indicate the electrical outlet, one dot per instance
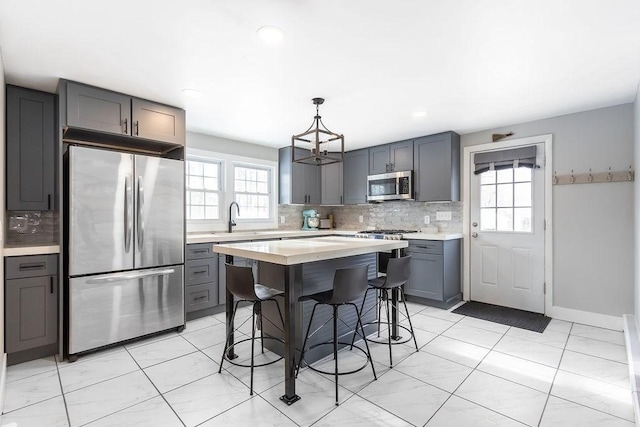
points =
(360, 218)
(443, 216)
(427, 219)
(281, 219)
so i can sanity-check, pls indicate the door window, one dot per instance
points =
(506, 201)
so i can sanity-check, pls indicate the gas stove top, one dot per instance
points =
(383, 234)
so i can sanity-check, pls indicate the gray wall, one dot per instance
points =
(229, 146)
(636, 122)
(593, 237)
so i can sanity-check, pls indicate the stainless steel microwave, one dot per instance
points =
(390, 186)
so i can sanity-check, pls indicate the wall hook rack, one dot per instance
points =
(594, 177)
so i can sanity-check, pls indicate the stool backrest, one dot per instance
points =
(398, 272)
(240, 282)
(349, 284)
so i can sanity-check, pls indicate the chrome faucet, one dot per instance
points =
(232, 223)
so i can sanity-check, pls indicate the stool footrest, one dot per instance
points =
(346, 344)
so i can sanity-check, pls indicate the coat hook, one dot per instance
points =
(590, 178)
(573, 178)
(630, 174)
(555, 177)
(609, 176)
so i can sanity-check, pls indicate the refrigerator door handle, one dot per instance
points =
(119, 277)
(140, 218)
(128, 214)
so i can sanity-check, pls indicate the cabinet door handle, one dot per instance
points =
(49, 201)
(136, 127)
(200, 272)
(126, 126)
(340, 199)
(199, 251)
(200, 297)
(51, 283)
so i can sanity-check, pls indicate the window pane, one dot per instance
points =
(488, 177)
(211, 199)
(211, 170)
(263, 176)
(522, 174)
(522, 219)
(504, 175)
(488, 196)
(505, 195)
(195, 168)
(251, 187)
(197, 212)
(197, 198)
(262, 188)
(522, 194)
(487, 219)
(212, 213)
(504, 219)
(196, 183)
(211, 184)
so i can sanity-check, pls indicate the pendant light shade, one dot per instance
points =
(322, 147)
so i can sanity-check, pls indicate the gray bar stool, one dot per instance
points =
(241, 284)
(349, 284)
(398, 273)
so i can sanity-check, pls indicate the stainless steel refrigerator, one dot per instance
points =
(125, 246)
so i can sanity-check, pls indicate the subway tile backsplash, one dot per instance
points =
(32, 227)
(398, 215)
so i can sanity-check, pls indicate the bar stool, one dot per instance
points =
(398, 273)
(349, 284)
(241, 284)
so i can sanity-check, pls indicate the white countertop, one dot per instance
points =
(283, 234)
(289, 252)
(31, 250)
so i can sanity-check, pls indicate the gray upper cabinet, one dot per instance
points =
(391, 157)
(31, 145)
(158, 122)
(355, 169)
(332, 188)
(102, 110)
(98, 109)
(437, 167)
(298, 183)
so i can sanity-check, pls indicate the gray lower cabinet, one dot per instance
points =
(201, 278)
(331, 186)
(436, 161)
(435, 272)
(31, 307)
(31, 145)
(356, 170)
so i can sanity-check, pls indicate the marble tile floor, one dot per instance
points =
(468, 372)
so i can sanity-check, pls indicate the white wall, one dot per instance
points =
(593, 238)
(229, 146)
(636, 122)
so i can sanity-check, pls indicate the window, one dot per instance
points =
(203, 189)
(252, 191)
(505, 200)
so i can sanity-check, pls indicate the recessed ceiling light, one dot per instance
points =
(270, 34)
(192, 93)
(419, 114)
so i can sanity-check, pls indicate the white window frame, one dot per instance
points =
(269, 194)
(227, 193)
(219, 191)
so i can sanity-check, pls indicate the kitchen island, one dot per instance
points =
(302, 265)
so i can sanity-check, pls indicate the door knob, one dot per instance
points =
(474, 235)
(475, 224)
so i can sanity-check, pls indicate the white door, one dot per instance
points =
(507, 236)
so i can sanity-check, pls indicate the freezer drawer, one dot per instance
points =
(109, 308)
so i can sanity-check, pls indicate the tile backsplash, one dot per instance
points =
(398, 215)
(32, 227)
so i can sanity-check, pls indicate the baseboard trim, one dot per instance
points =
(585, 317)
(3, 382)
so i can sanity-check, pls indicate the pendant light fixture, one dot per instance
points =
(318, 143)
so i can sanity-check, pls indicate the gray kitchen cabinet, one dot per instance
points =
(31, 146)
(435, 272)
(31, 307)
(201, 279)
(102, 110)
(397, 156)
(299, 183)
(355, 169)
(332, 186)
(437, 167)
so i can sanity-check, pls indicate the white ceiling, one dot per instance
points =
(470, 64)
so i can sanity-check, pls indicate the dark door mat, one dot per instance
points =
(507, 316)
